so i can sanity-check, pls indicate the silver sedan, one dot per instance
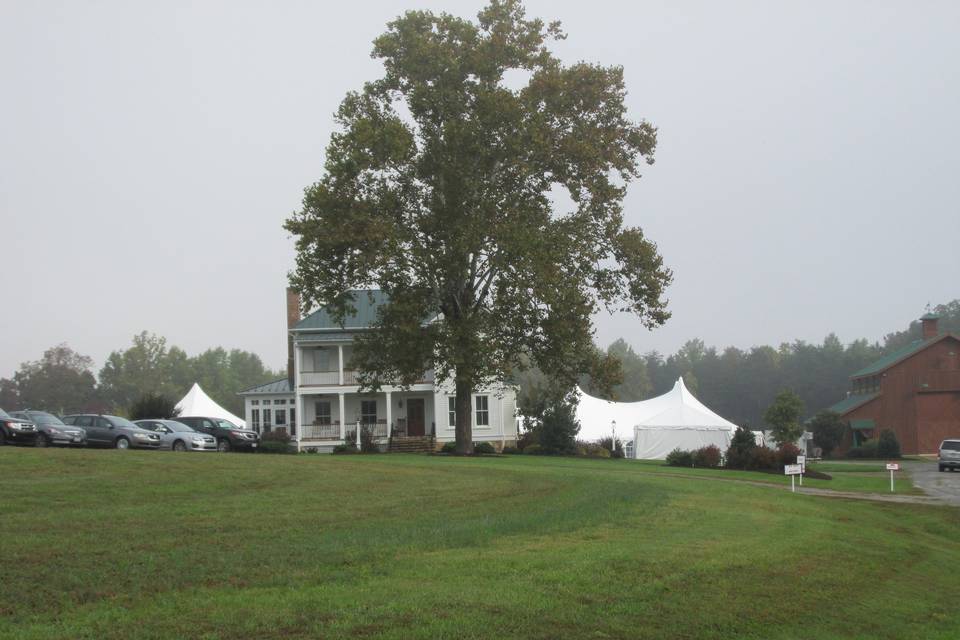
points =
(177, 436)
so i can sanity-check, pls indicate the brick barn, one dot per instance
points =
(914, 391)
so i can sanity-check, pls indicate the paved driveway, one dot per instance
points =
(945, 485)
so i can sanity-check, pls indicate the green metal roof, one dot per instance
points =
(277, 386)
(366, 302)
(851, 402)
(865, 423)
(930, 316)
(894, 356)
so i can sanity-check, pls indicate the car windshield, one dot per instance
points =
(4, 414)
(44, 418)
(225, 424)
(177, 426)
(951, 445)
(121, 422)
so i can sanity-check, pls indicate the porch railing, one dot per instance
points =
(330, 431)
(378, 428)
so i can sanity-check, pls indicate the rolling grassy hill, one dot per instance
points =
(108, 544)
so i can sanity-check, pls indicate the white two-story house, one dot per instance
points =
(320, 403)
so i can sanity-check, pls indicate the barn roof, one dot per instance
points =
(851, 402)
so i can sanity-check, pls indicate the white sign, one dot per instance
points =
(801, 460)
(792, 470)
(893, 466)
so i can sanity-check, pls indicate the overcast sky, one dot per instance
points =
(806, 178)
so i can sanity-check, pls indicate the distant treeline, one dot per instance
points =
(62, 381)
(740, 384)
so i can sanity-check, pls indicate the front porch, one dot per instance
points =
(328, 419)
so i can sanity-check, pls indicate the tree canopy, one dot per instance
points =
(783, 417)
(438, 189)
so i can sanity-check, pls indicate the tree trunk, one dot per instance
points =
(464, 406)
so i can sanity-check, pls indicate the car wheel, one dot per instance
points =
(179, 446)
(122, 443)
(42, 441)
(3, 438)
(223, 445)
(941, 468)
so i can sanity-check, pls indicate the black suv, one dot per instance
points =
(229, 436)
(16, 430)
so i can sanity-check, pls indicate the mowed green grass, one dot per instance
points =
(110, 544)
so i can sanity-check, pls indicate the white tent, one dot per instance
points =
(198, 403)
(658, 425)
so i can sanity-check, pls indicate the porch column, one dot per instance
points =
(340, 369)
(389, 414)
(343, 417)
(298, 403)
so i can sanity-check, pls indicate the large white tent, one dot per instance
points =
(658, 425)
(198, 403)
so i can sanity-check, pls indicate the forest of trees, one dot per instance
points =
(740, 384)
(737, 384)
(62, 381)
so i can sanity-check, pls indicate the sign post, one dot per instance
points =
(792, 470)
(802, 461)
(891, 467)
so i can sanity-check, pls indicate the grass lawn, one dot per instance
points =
(113, 544)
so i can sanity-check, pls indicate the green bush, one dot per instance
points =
(868, 449)
(533, 449)
(708, 456)
(448, 447)
(615, 448)
(345, 449)
(592, 450)
(510, 451)
(741, 445)
(680, 458)
(484, 448)
(153, 405)
(274, 446)
(887, 445)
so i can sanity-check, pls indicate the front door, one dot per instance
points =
(415, 417)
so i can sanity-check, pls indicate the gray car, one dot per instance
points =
(52, 430)
(949, 455)
(177, 436)
(113, 431)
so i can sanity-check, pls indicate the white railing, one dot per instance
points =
(378, 429)
(320, 431)
(319, 377)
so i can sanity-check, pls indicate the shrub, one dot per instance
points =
(345, 448)
(558, 428)
(708, 456)
(828, 431)
(787, 454)
(680, 458)
(484, 448)
(312, 450)
(367, 442)
(592, 450)
(887, 445)
(276, 436)
(615, 448)
(274, 446)
(738, 453)
(510, 451)
(762, 459)
(866, 450)
(533, 450)
(448, 447)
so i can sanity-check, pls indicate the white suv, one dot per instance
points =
(949, 455)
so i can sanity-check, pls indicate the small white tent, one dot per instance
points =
(198, 403)
(658, 425)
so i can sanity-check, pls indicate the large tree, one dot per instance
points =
(60, 382)
(439, 189)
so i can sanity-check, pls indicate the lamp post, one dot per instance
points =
(613, 443)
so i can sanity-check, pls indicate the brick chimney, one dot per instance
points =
(293, 317)
(928, 324)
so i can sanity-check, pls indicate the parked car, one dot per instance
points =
(16, 430)
(113, 431)
(229, 436)
(177, 436)
(51, 429)
(949, 455)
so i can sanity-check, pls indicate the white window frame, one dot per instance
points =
(483, 410)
